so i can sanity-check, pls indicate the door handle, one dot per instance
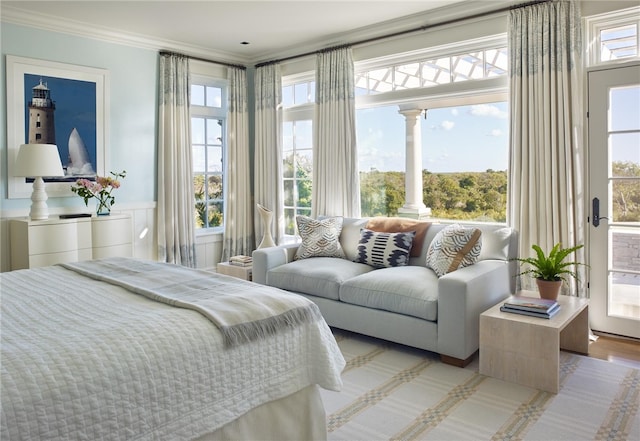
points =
(595, 209)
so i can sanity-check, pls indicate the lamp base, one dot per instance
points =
(39, 209)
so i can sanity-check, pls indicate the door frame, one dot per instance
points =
(589, 189)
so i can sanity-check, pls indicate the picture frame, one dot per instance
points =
(80, 97)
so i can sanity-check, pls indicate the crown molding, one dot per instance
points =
(380, 30)
(72, 27)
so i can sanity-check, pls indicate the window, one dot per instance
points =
(208, 138)
(464, 131)
(613, 36)
(297, 132)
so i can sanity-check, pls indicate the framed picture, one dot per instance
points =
(61, 104)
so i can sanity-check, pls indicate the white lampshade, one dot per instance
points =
(38, 161)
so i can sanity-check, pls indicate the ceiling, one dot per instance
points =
(217, 28)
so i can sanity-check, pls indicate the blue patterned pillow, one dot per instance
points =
(320, 238)
(384, 250)
(454, 247)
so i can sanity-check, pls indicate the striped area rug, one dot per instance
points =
(392, 392)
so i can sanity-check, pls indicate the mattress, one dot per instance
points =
(84, 359)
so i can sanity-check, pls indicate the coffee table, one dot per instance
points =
(526, 350)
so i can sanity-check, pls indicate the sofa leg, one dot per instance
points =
(456, 361)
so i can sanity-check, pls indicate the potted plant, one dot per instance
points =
(550, 270)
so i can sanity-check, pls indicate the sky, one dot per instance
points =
(461, 138)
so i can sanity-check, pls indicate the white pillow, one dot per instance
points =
(320, 238)
(454, 247)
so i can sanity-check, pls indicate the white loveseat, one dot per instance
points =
(409, 304)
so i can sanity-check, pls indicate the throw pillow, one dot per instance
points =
(454, 247)
(383, 250)
(401, 225)
(320, 238)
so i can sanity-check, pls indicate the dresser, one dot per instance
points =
(55, 240)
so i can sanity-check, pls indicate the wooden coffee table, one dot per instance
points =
(526, 350)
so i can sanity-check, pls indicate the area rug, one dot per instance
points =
(392, 392)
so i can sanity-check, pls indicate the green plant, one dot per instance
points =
(552, 266)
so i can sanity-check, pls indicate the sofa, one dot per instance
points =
(409, 303)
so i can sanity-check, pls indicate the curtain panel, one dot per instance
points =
(268, 187)
(546, 187)
(176, 236)
(336, 182)
(238, 213)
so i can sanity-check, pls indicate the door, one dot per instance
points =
(614, 187)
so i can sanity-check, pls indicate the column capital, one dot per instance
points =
(410, 113)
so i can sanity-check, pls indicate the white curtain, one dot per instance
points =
(267, 187)
(176, 237)
(238, 213)
(546, 188)
(336, 183)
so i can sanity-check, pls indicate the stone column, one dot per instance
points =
(414, 206)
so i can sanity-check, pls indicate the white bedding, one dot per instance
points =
(82, 359)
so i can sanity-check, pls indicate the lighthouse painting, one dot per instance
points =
(62, 104)
(62, 111)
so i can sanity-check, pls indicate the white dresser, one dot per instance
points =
(55, 240)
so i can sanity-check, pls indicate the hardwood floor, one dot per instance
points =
(618, 349)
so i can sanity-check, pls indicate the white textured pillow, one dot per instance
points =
(454, 247)
(384, 250)
(320, 238)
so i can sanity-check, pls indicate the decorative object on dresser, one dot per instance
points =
(38, 161)
(101, 189)
(266, 216)
(550, 270)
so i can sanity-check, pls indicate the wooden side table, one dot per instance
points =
(241, 272)
(526, 350)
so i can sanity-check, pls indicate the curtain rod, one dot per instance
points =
(239, 66)
(407, 31)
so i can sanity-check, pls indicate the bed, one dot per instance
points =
(128, 349)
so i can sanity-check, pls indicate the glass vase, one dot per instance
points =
(103, 208)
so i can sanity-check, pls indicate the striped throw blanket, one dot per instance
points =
(243, 311)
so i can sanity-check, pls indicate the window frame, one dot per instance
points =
(596, 23)
(218, 114)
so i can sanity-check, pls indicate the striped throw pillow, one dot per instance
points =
(384, 250)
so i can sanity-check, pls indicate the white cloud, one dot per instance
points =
(455, 111)
(488, 110)
(495, 133)
(447, 125)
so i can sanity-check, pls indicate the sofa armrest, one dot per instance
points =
(462, 296)
(265, 259)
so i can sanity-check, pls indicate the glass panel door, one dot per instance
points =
(614, 178)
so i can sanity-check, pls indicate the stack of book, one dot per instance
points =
(531, 306)
(241, 260)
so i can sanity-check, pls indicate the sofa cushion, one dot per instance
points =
(408, 290)
(454, 247)
(320, 276)
(383, 250)
(320, 238)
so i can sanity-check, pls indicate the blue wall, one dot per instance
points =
(133, 76)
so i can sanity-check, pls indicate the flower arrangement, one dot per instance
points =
(100, 189)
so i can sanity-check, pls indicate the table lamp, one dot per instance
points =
(38, 161)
